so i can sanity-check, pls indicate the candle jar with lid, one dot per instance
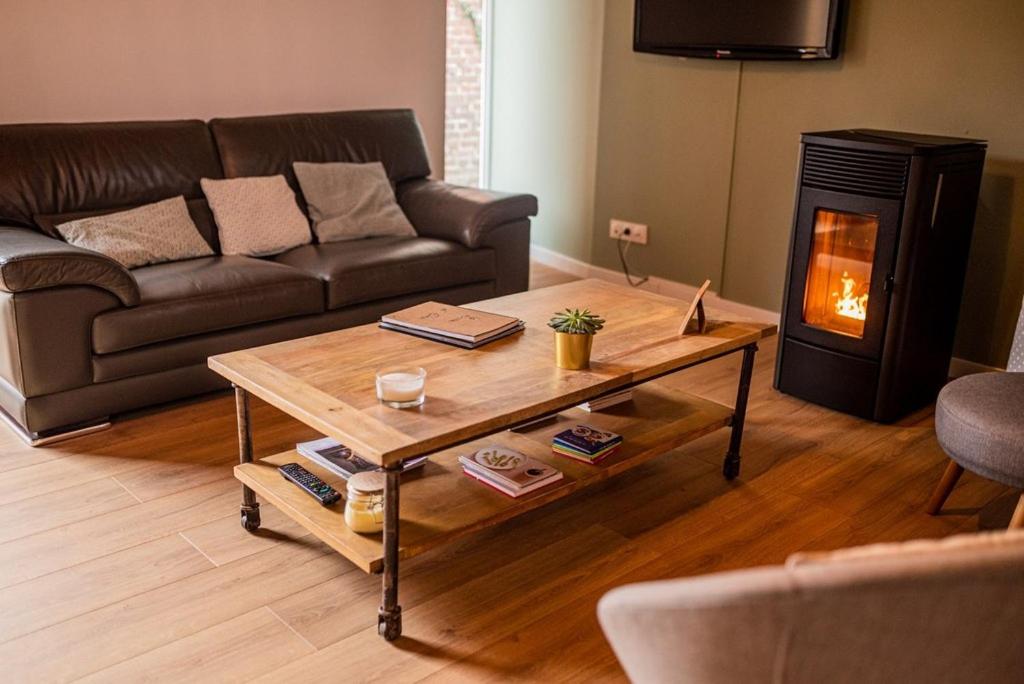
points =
(364, 502)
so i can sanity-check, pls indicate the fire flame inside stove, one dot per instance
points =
(849, 304)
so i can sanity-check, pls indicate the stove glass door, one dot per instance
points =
(839, 271)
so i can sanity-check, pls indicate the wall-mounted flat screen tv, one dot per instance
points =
(738, 29)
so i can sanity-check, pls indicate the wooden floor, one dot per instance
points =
(121, 556)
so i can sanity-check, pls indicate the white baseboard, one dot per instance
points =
(662, 286)
(549, 257)
(672, 288)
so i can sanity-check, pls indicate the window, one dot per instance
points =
(464, 92)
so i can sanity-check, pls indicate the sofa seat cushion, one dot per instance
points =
(184, 298)
(978, 421)
(375, 268)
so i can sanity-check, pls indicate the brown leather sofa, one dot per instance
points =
(84, 338)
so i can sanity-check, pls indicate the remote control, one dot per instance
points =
(313, 485)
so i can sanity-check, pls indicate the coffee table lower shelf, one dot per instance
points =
(439, 503)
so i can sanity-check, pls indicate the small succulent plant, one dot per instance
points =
(576, 322)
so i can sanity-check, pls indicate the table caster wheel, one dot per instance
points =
(251, 518)
(389, 626)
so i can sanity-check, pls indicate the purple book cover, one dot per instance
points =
(587, 439)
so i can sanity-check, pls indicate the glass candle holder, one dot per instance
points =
(401, 386)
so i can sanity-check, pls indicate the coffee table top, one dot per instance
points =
(327, 381)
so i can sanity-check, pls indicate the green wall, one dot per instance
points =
(706, 152)
(546, 71)
(664, 155)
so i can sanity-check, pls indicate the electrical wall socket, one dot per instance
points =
(627, 230)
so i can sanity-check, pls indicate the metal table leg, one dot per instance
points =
(731, 465)
(389, 617)
(250, 507)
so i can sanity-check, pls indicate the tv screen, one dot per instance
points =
(738, 29)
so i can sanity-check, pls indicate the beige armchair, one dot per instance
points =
(922, 611)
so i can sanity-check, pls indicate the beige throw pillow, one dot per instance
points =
(150, 234)
(256, 216)
(351, 201)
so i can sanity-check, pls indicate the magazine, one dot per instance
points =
(340, 460)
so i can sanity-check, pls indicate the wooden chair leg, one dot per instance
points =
(949, 478)
(1017, 521)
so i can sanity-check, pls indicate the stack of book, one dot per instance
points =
(608, 400)
(455, 325)
(334, 456)
(508, 471)
(586, 443)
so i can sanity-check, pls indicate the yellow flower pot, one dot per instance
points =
(572, 350)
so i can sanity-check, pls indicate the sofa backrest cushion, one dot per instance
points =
(269, 145)
(63, 168)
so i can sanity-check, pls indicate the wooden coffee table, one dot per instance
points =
(473, 398)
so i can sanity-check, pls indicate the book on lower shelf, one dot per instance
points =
(334, 456)
(456, 325)
(608, 400)
(583, 457)
(586, 443)
(508, 471)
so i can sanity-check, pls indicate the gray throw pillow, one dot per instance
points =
(351, 201)
(150, 234)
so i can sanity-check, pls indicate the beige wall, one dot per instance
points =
(546, 78)
(666, 150)
(81, 60)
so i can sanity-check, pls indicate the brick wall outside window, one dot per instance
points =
(463, 92)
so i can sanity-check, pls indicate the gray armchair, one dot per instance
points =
(979, 422)
(921, 611)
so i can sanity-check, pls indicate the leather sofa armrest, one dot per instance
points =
(33, 261)
(461, 214)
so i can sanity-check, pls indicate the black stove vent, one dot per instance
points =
(859, 172)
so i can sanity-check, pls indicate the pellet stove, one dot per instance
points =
(881, 234)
